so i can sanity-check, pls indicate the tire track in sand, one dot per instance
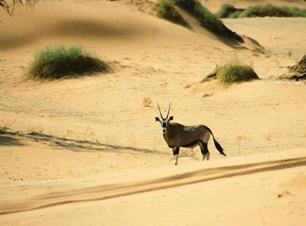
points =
(109, 191)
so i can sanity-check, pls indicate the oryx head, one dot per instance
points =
(164, 121)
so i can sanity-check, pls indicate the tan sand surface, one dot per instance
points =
(267, 189)
(88, 151)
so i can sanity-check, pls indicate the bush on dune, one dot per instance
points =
(296, 72)
(166, 9)
(59, 62)
(235, 72)
(202, 14)
(207, 19)
(228, 11)
(268, 10)
(273, 11)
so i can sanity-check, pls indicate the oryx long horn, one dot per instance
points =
(159, 111)
(169, 109)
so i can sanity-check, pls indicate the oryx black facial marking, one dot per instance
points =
(177, 135)
(164, 121)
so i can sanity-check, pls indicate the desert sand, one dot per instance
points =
(88, 151)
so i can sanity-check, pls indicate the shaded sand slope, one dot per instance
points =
(263, 185)
(88, 22)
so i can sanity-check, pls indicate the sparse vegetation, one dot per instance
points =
(9, 6)
(229, 11)
(301, 65)
(58, 62)
(166, 9)
(297, 72)
(235, 72)
(273, 11)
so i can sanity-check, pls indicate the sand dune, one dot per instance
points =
(87, 151)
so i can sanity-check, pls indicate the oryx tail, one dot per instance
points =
(217, 145)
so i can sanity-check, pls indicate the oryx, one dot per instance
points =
(177, 135)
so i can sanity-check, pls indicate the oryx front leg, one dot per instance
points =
(176, 152)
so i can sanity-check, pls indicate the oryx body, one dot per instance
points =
(177, 135)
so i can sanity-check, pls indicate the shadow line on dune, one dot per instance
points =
(99, 193)
(75, 145)
(79, 145)
(93, 28)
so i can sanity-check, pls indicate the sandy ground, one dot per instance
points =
(88, 151)
(243, 190)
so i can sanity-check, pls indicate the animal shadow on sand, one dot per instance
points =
(8, 137)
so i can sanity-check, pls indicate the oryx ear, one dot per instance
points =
(170, 118)
(157, 119)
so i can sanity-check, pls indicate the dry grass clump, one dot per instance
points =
(268, 10)
(300, 67)
(297, 72)
(10, 5)
(235, 72)
(61, 62)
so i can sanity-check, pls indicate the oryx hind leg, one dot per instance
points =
(204, 150)
(206, 137)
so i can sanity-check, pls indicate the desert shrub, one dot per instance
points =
(297, 12)
(235, 72)
(273, 11)
(207, 19)
(301, 66)
(166, 9)
(229, 11)
(296, 72)
(58, 62)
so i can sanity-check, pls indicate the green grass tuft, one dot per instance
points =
(268, 10)
(59, 62)
(206, 18)
(166, 9)
(235, 72)
(228, 11)
(273, 11)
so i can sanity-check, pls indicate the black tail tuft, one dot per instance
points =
(219, 147)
